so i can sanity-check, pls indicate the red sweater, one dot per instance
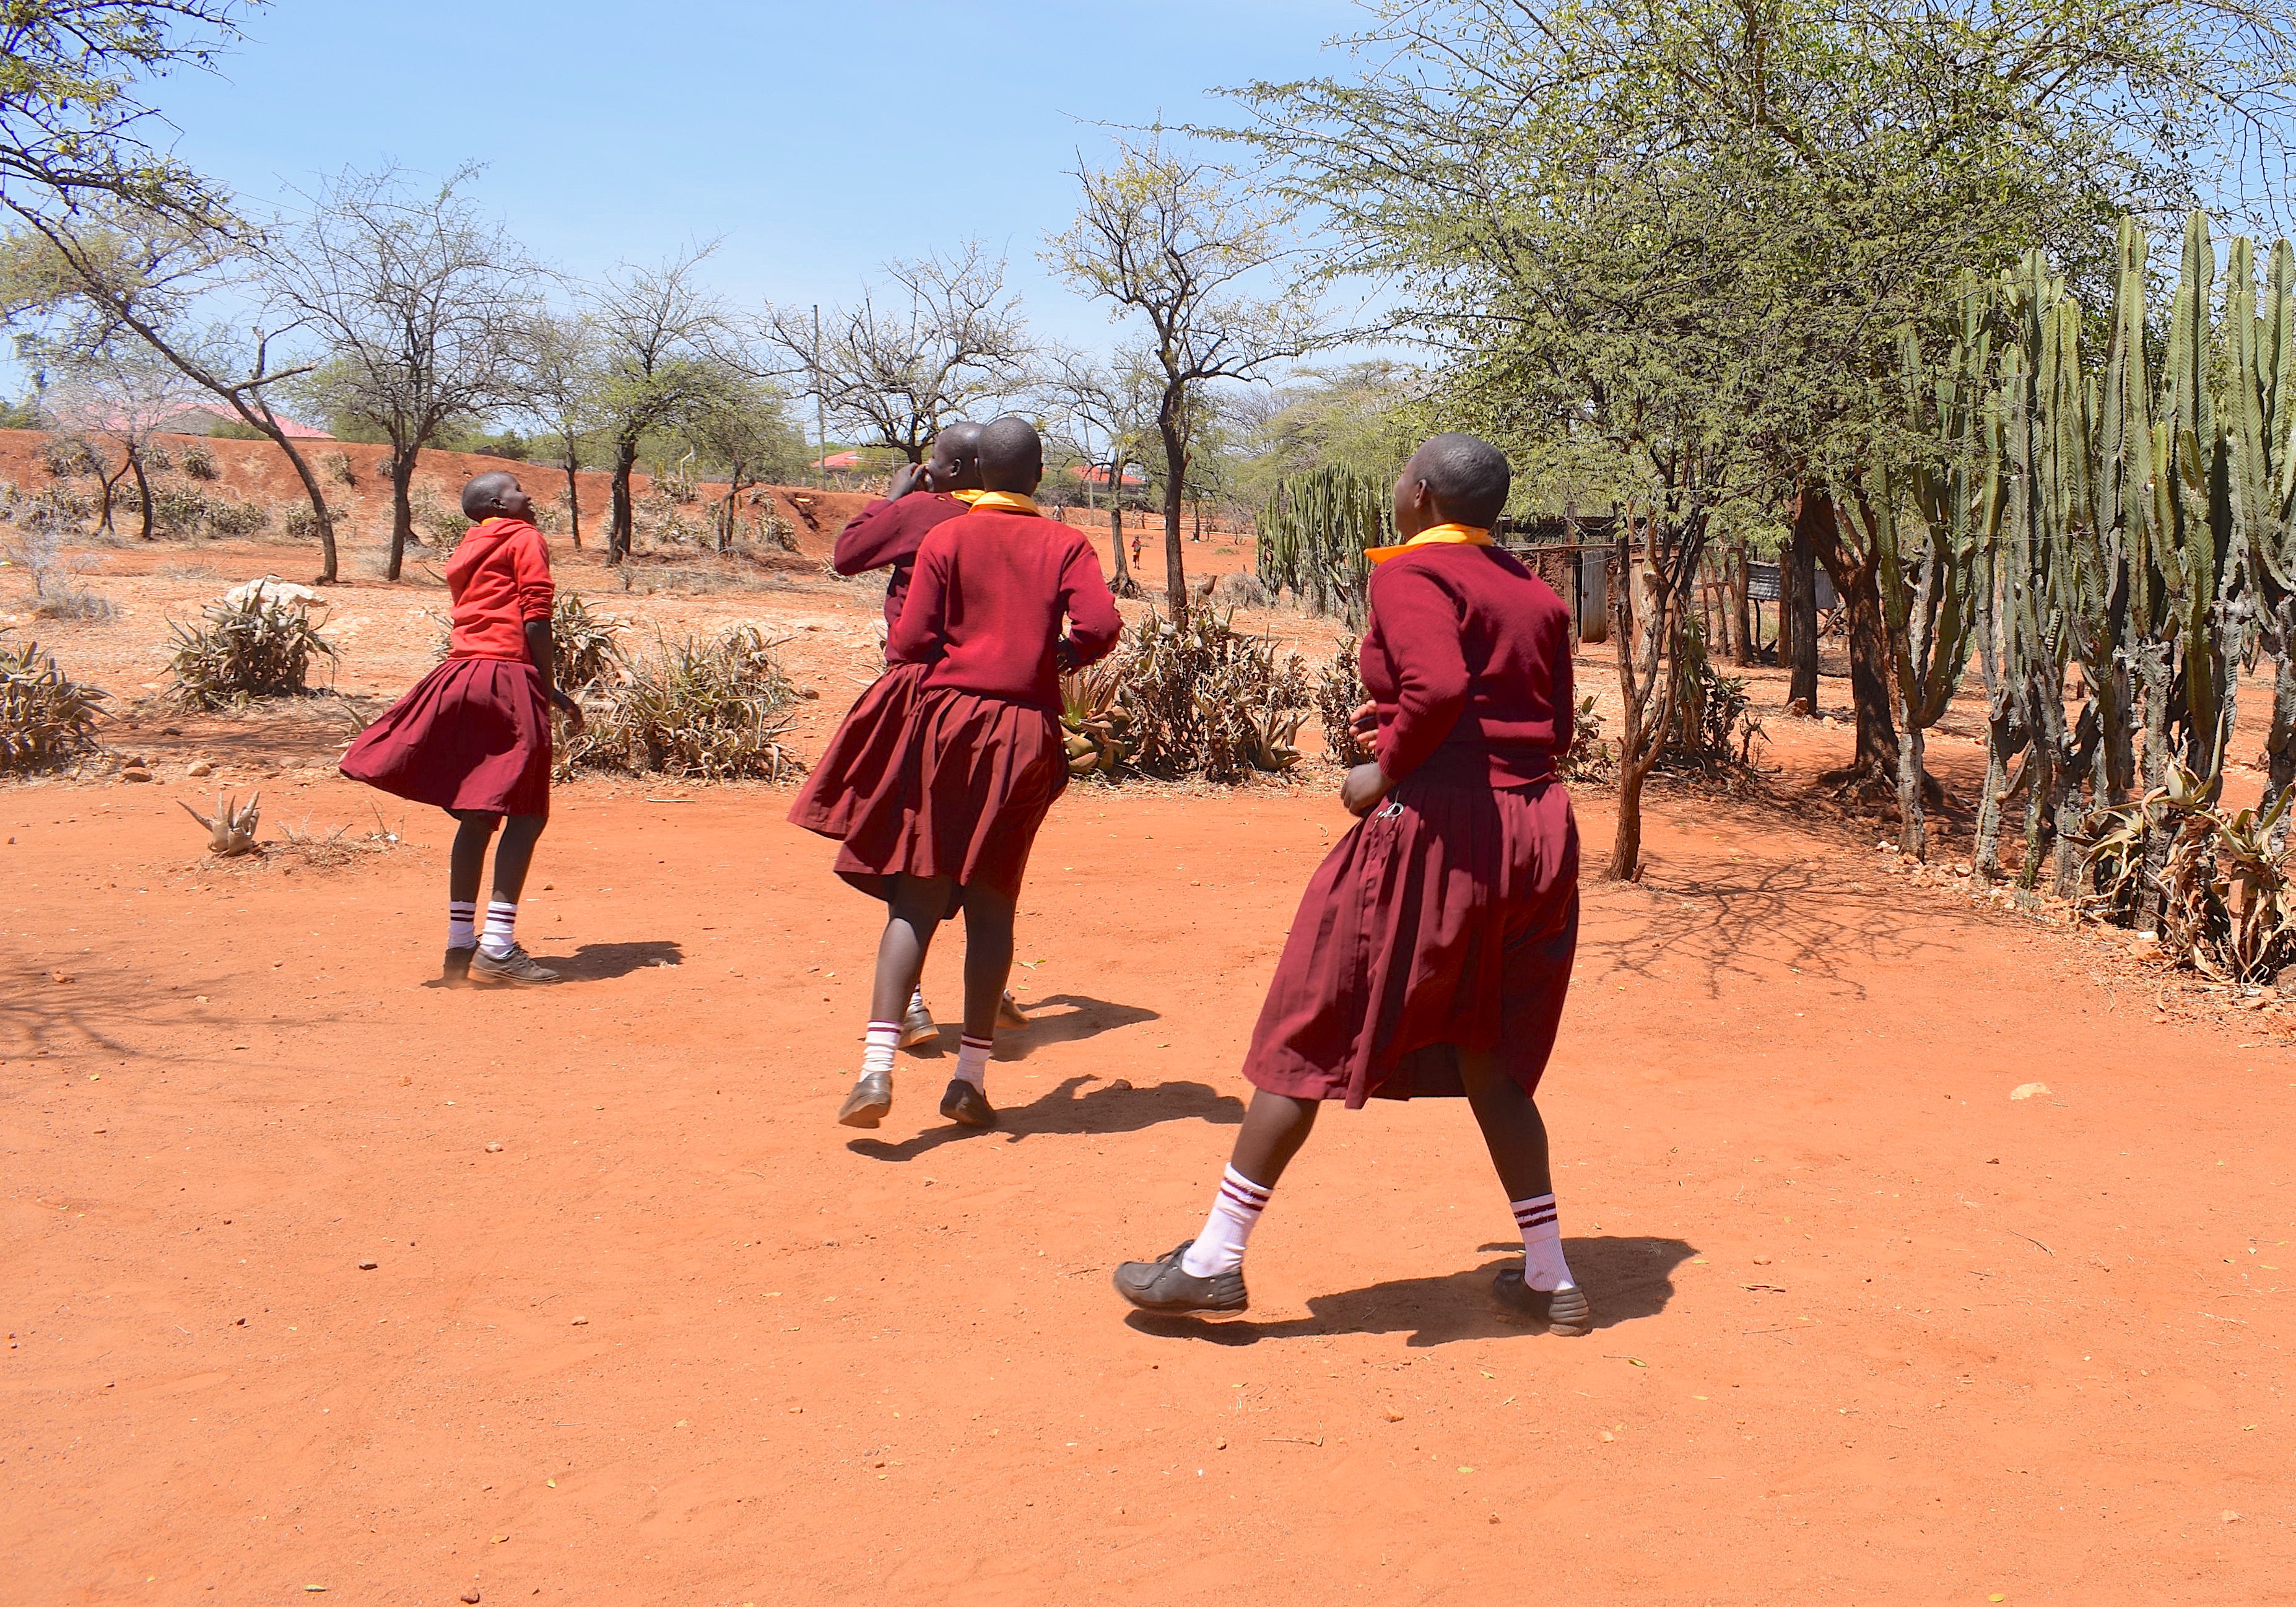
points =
(888, 533)
(985, 606)
(1468, 657)
(499, 578)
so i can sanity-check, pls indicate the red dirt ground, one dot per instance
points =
(1873, 1331)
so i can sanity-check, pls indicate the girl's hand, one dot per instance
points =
(1365, 722)
(571, 710)
(1364, 786)
(907, 478)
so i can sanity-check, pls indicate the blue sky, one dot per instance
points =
(819, 139)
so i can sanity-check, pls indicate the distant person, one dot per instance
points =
(1433, 950)
(885, 535)
(1003, 600)
(472, 737)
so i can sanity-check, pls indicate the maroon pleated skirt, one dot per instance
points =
(960, 794)
(1447, 919)
(474, 734)
(865, 751)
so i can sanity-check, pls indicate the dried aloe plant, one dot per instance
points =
(2224, 900)
(231, 830)
(45, 718)
(706, 709)
(258, 646)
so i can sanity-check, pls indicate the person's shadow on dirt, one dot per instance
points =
(597, 961)
(1626, 1279)
(1057, 1017)
(1114, 1107)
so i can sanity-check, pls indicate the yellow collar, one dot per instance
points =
(1439, 535)
(968, 498)
(1010, 501)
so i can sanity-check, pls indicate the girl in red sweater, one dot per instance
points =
(1433, 950)
(947, 822)
(472, 737)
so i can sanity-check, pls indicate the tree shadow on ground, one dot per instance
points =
(1048, 1023)
(598, 962)
(1114, 1107)
(1626, 1278)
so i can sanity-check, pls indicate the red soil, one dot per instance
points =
(1873, 1329)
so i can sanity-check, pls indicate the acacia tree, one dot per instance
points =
(1174, 243)
(1785, 183)
(743, 430)
(117, 272)
(422, 301)
(562, 379)
(1108, 414)
(121, 393)
(663, 344)
(943, 341)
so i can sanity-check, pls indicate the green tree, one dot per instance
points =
(1685, 237)
(666, 353)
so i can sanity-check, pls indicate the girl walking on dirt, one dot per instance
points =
(472, 737)
(1433, 948)
(942, 816)
(886, 535)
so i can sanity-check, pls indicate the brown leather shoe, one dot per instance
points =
(1564, 1311)
(516, 966)
(870, 1102)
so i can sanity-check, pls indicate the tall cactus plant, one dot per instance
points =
(2260, 425)
(1313, 537)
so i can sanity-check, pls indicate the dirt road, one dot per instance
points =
(1871, 1330)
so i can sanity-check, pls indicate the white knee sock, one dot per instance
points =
(461, 923)
(500, 935)
(1235, 1212)
(972, 1061)
(877, 1047)
(1543, 1265)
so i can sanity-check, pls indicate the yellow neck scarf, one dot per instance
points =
(1011, 502)
(968, 498)
(1439, 535)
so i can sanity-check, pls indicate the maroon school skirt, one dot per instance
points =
(474, 734)
(1447, 919)
(866, 750)
(961, 794)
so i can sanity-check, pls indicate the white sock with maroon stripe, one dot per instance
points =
(461, 923)
(1543, 1265)
(972, 1061)
(502, 929)
(1235, 1212)
(877, 1047)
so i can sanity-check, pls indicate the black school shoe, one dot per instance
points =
(457, 968)
(1167, 1288)
(1564, 1311)
(967, 1105)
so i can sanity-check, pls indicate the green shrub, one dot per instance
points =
(199, 462)
(177, 513)
(237, 518)
(45, 719)
(1339, 694)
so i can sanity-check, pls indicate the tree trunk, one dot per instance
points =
(618, 533)
(1870, 669)
(328, 571)
(1798, 597)
(402, 506)
(143, 490)
(573, 497)
(1176, 568)
(1913, 837)
(1985, 855)
(2153, 677)
(1740, 608)
(109, 483)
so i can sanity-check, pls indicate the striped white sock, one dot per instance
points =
(972, 1061)
(501, 933)
(1543, 1265)
(877, 1047)
(1235, 1212)
(461, 923)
